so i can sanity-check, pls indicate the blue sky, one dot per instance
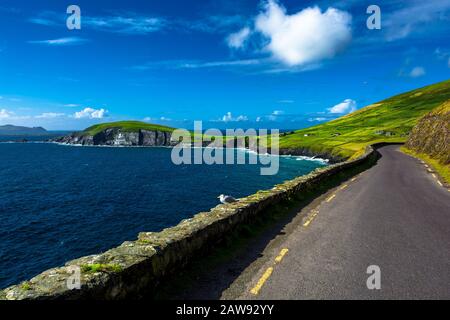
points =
(246, 63)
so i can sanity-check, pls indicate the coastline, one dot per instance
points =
(318, 158)
(142, 263)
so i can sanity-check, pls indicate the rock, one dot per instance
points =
(431, 135)
(309, 153)
(119, 137)
(148, 138)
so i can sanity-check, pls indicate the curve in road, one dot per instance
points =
(395, 216)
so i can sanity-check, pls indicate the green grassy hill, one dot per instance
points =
(127, 126)
(390, 120)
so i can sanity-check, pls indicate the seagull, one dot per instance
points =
(226, 199)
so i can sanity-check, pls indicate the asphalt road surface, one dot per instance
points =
(395, 216)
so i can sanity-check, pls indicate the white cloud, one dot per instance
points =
(10, 115)
(180, 64)
(71, 105)
(415, 17)
(50, 115)
(417, 72)
(258, 119)
(61, 41)
(157, 119)
(4, 114)
(228, 117)
(237, 40)
(43, 21)
(305, 37)
(91, 113)
(347, 106)
(443, 55)
(275, 115)
(131, 24)
(317, 119)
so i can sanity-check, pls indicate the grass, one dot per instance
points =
(127, 126)
(26, 286)
(98, 267)
(441, 169)
(389, 120)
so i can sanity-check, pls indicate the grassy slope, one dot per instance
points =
(130, 126)
(358, 129)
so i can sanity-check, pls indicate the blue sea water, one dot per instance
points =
(61, 202)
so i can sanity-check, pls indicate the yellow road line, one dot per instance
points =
(353, 179)
(434, 176)
(262, 280)
(343, 187)
(307, 223)
(281, 255)
(440, 183)
(311, 218)
(331, 198)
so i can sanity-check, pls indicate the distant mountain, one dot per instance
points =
(10, 130)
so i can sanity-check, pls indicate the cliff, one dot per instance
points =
(130, 133)
(119, 137)
(431, 135)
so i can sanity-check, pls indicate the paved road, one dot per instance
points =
(395, 216)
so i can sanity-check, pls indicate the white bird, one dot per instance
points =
(226, 199)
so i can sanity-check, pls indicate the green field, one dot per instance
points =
(127, 126)
(389, 120)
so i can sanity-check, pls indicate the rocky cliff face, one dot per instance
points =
(118, 137)
(432, 134)
(313, 154)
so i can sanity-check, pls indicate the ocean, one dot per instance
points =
(59, 202)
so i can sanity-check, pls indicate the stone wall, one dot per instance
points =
(137, 267)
